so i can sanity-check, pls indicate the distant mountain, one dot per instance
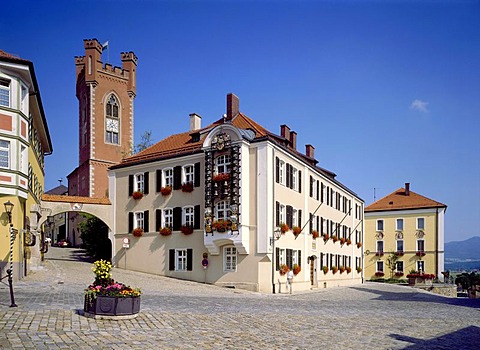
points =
(463, 250)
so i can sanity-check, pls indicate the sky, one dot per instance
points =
(387, 92)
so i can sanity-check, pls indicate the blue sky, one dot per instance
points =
(388, 92)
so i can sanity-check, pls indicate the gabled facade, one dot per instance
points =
(24, 142)
(220, 194)
(409, 225)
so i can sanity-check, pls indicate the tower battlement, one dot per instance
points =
(129, 56)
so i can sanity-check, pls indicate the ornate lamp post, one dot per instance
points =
(8, 209)
(277, 233)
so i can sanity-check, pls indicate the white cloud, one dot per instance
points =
(420, 106)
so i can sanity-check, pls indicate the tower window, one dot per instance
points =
(111, 121)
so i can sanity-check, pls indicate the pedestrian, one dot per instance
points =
(290, 280)
(48, 240)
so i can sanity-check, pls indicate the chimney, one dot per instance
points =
(195, 122)
(407, 188)
(233, 106)
(285, 132)
(309, 151)
(293, 139)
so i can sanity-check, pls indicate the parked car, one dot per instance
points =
(63, 243)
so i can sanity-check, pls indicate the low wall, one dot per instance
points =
(441, 289)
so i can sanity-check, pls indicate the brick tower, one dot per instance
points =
(105, 121)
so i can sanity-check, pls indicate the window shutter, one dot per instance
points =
(171, 260)
(299, 257)
(289, 216)
(130, 222)
(277, 259)
(145, 183)
(328, 195)
(189, 259)
(159, 180)
(321, 192)
(288, 175)
(196, 218)
(177, 177)
(318, 190)
(277, 214)
(318, 223)
(158, 219)
(130, 185)
(177, 218)
(145, 221)
(197, 175)
(277, 169)
(300, 218)
(300, 181)
(291, 176)
(289, 258)
(321, 226)
(311, 186)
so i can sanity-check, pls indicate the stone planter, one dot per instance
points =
(112, 307)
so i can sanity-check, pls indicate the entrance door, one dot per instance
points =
(313, 271)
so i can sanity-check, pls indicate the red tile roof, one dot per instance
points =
(398, 200)
(11, 57)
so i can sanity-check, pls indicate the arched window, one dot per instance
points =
(112, 120)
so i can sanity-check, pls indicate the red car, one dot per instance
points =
(63, 243)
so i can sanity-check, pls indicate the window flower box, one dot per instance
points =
(137, 232)
(349, 241)
(221, 177)
(137, 195)
(420, 278)
(398, 274)
(186, 229)
(342, 241)
(334, 269)
(296, 269)
(165, 231)
(221, 225)
(379, 274)
(334, 238)
(326, 237)
(342, 269)
(348, 269)
(420, 253)
(165, 191)
(359, 269)
(187, 187)
(296, 230)
(284, 227)
(325, 269)
(315, 234)
(379, 254)
(399, 253)
(359, 245)
(283, 270)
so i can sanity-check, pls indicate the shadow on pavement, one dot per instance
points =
(68, 254)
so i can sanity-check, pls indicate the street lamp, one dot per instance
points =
(8, 209)
(277, 233)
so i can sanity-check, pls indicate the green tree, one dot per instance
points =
(94, 234)
(146, 141)
(467, 280)
(392, 263)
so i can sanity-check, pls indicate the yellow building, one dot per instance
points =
(24, 141)
(409, 225)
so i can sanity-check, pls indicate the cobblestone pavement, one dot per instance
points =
(185, 315)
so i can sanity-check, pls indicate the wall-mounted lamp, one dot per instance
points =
(8, 209)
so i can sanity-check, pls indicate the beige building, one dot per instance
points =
(220, 195)
(409, 225)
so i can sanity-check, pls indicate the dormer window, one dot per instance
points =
(112, 121)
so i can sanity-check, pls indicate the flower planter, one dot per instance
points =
(111, 306)
(315, 234)
(165, 191)
(187, 187)
(137, 195)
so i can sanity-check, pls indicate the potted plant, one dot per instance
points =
(221, 177)
(137, 195)
(325, 269)
(186, 229)
(165, 231)
(398, 274)
(342, 269)
(420, 253)
(165, 191)
(334, 269)
(349, 241)
(334, 238)
(359, 244)
(284, 227)
(359, 269)
(296, 269)
(348, 269)
(379, 274)
(399, 253)
(221, 225)
(315, 234)
(137, 232)
(283, 269)
(107, 298)
(379, 254)
(326, 237)
(187, 187)
(342, 241)
(296, 230)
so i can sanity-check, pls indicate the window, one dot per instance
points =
(399, 266)
(283, 215)
(4, 154)
(5, 93)
(399, 225)
(111, 120)
(168, 218)
(400, 246)
(295, 257)
(139, 182)
(294, 217)
(188, 216)
(420, 245)
(380, 266)
(295, 179)
(222, 210)
(421, 266)
(281, 172)
(230, 259)
(282, 258)
(139, 220)
(168, 177)
(380, 247)
(23, 100)
(379, 225)
(188, 173)
(222, 164)
(420, 223)
(181, 260)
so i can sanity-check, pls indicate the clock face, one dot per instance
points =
(112, 125)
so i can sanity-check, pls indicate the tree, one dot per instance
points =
(392, 263)
(146, 141)
(94, 234)
(468, 280)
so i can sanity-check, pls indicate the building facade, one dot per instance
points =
(24, 142)
(213, 204)
(105, 96)
(408, 225)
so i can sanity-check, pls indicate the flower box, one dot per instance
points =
(399, 253)
(165, 231)
(165, 191)
(342, 241)
(186, 229)
(334, 269)
(379, 254)
(137, 195)
(137, 232)
(342, 269)
(398, 274)
(283, 270)
(420, 253)
(221, 225)
(325, 269)
(221, 177)
(348, 269)
(359, 269)
(349, 241)
(296, 269)
(296, 230)
(187, 187)
(379, 274)
(284, 227)
(359, 244)
(315, 234)
(334, 238)
(112, 306)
